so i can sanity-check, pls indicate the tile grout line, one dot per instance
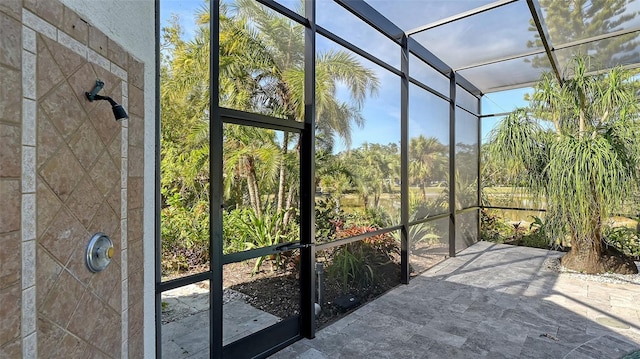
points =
(32, 23)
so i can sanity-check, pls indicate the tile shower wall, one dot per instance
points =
(67, 171)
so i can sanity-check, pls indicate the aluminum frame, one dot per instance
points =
(295, 328)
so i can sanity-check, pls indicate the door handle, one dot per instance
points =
(292, 246)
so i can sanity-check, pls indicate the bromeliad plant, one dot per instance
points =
(577, 145)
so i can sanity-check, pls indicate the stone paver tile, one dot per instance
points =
(541, 347)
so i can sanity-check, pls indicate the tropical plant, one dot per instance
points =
(355, 264)
(427, 162)
(623, 239)
(261, 59)
(577, 145)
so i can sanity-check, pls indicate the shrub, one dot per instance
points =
(354, 264)
(625, 239)
(185, 235)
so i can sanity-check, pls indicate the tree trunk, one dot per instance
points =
(252, 185)
(283, 173)
(588, 255)
(287, 214)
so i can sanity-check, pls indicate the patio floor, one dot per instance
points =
(492, 301)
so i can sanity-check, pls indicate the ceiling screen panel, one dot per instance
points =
(410, 14)
(492, 35)
(506, 74)
(567, 22)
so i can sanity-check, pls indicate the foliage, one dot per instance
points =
(583, 160)
(493, 228)
(496, 229)
(537, 236)
(355, 264)
(626, 240)
(261, 59)
(329, 219)
(185, 235)
(263, 231)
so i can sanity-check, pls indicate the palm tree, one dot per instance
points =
(261, 70)
(427, 158)
(278, 78)
(585, 163)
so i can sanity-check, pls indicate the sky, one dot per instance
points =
(428, 114)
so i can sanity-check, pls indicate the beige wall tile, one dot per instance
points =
(10, 267)
(12, 349)
(117, 55)
(63, 299)
(73, 25)
(49, 335)
(136, 102)
(105, 124)
(11, 201)
(71, 347)
(12, 8)
(106, 221)
(136, 344)
(52, 11)
(98, 41)
(63, 110)
(135, 190)
(105, 175)
(85, 201)
(47, 206)
(47, 274)
(11, 298)
(110, 322)
(10, 95)
(10, 151)
(77, 264)
(62, 173)
(67, 60)
(136, 161)
(134, 225)
(86, 145)
(113, 199)
(106, 284)
(48, 139)
(136, 73)
(62, 236)
(136, 282)
(49, 73)
(10, 41)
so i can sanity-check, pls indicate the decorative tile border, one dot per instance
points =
(28, 215)
(33, 24)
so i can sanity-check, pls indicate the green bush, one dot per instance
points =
(624, 239)
(494, 228)
(185, 235)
